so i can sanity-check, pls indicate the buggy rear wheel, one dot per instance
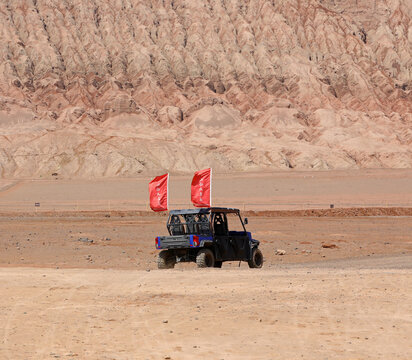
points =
(256, 260)
(166, 260)
(205, 258)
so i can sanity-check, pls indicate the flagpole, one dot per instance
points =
(167, 189)
(210, 187)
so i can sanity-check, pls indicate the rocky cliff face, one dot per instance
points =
(120, 87)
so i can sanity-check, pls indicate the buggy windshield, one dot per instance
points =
(185, 224)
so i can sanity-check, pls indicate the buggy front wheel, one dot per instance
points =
(256, 260)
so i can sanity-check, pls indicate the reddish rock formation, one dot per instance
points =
(104, 88)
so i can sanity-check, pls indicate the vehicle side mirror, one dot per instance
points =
(246, 221)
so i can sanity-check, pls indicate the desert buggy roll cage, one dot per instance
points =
(196, 221)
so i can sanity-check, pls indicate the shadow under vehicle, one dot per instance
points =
(203, 236)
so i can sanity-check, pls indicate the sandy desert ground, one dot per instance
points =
(280, 313)
(66, 297)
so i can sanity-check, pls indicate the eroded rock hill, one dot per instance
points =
(120, 87)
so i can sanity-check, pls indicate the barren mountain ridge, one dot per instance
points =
(92, 88)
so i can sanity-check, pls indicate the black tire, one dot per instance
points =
(218, 264)
(205, 258)
(166, 260)
(256, 260)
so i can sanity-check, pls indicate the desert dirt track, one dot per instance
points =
(103, 298)
(288, 313)
(281, 190)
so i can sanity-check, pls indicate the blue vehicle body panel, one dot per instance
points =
(240, 233)
(182, 241)
(201, 240)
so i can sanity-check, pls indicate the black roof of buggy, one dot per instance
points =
(204, 211)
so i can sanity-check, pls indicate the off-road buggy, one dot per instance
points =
(203, 236)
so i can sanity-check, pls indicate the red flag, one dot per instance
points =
(158, 191)
(202, 188)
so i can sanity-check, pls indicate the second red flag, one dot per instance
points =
(202, 188)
